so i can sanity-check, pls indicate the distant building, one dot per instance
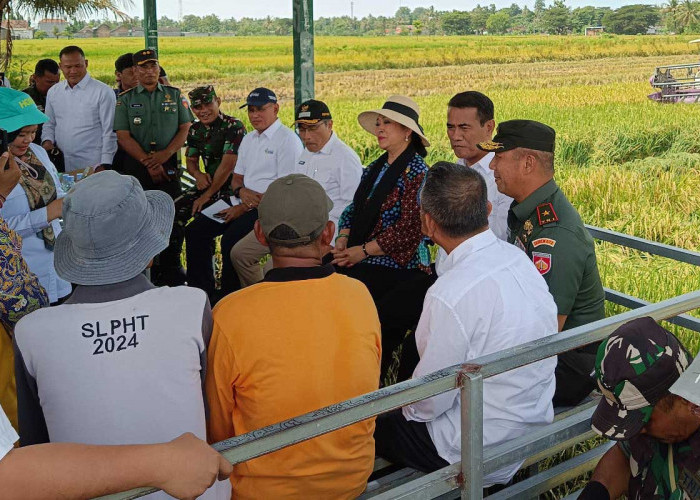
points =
(86, 32)
(102, 31)
(48, 25)
(655, 30)
(594, 30)
(169, 31)
(19, 30)
(121, 31)
(405, 28)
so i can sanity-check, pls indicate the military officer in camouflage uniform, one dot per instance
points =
(152, 122)
(658, 433)
(214, 139)
(544, 224)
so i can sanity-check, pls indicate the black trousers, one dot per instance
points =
(573, 375)
(398, 295)
(199, 235)
(405, 442)
(167, 265)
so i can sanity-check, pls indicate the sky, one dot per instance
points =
(326, 8)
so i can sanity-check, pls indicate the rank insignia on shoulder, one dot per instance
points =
(528, 227)
(490, 145)
(544, 241)
(542, 261)
(546, 214)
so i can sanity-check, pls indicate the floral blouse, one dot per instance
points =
(20, 291)
(397, 230)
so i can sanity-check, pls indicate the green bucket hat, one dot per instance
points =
(18, 110)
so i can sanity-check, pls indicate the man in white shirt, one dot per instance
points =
(268, 152)
(81, 115)
(489, 297)
(325, 158)
(470, 120)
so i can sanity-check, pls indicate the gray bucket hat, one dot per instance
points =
(113, 228)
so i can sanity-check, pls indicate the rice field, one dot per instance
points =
(626, 163)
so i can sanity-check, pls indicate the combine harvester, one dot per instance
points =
(678, 83)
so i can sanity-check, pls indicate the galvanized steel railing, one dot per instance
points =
(468, 379)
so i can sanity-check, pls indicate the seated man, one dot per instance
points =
(658, 432)
(270, 151)
(326, 159)
(128, 355)
(488, 297)
(304, 338)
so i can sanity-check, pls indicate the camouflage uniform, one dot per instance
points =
(212, 142)
(635, 367)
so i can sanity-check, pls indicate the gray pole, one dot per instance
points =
(303, 51)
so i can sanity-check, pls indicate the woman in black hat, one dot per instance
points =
(380, 231)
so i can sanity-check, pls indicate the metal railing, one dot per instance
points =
(468, 378)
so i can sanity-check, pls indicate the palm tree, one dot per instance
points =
(670, 10)
(688, 14)
(64, 8)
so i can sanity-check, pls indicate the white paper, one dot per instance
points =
(219, 206)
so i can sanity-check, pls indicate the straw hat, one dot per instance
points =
(398, 108)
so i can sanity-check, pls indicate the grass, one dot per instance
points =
(625, 162)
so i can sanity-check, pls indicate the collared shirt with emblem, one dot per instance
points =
(152, 116)
(549, 229)
(488, 298)
(211, 142)
(337, 168)
(80, 122)
(651, 463)
(268, 155)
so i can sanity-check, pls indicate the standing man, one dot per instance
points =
(81, 115)
(214, 139)
(326, 159)
(267, 153)
(45, 76)
(125, 73)
(470, 121)
(321, 346)
(544, 224)
(152, 122)
(488, 298)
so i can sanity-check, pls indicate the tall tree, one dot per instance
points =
(631, 19)
(557, 19)
(457, 22)
(75, 9)
(498, 23)
(688, 15)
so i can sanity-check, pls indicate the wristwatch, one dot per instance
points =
(237, 191)
(364, 249)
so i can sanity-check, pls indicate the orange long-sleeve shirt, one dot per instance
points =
(281, 348)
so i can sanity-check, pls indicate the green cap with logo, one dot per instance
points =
(18, 110)
(521, 134)
(311, 112)
(635, 368)
(202, 95)
(298, 202)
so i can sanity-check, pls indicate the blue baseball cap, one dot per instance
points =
(18, 110)
(260, 97)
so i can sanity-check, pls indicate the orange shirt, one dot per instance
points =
(303, 339)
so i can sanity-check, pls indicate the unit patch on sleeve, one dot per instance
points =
(546, 214)
(544, 241)
(543, 262)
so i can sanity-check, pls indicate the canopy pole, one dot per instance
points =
(150, 24)
(303, 51)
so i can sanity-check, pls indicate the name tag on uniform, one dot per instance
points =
(136, 105)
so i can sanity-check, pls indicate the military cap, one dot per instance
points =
(260, 97)
(635, 367)
(124, 61)
(143, 56)
(312, 111)
(521, 134)
(298, 202)
(202, 95)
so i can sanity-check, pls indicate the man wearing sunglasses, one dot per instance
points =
(325, 158)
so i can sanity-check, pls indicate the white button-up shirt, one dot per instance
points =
(268, 155)
(500, 203)
(337, 168)
(27, 223)
(8, 436)
(489, 297)
(81, 121)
